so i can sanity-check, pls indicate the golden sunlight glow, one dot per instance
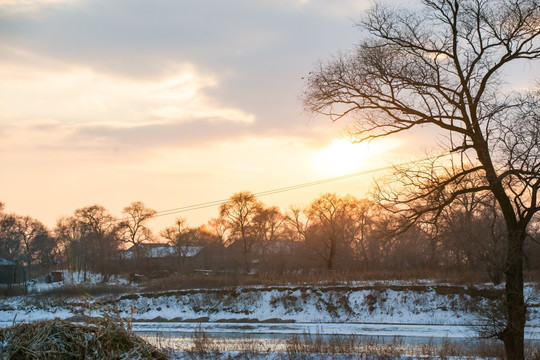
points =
(345, 157)
(28, 6)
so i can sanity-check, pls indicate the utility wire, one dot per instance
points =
(273, 191)
(291, 188)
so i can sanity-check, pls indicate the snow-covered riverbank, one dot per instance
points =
(359, 303)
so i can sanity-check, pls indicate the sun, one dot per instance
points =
(344, 157)
(339, 158)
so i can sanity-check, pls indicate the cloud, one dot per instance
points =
(132, 74)
(158, 135)
(172, 113)
(337, 9)
(260, 50)
(78, 106)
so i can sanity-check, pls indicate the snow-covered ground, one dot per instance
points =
(73, 279)
(417, 309)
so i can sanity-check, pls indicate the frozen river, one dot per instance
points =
(274, 335)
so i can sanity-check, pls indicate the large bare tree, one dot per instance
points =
(441, 64)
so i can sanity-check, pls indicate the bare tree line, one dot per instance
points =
(332, 233)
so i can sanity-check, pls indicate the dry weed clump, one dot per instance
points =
(57, 339)
(203, 344)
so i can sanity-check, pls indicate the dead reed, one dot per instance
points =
(102, 338)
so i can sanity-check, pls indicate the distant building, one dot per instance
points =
(155, 250)
(159, 250)
(158, 259)
(8, 271)
(55, 276)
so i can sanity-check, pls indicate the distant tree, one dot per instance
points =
(100, 238)
(63, 234)
(238, 215)
(30, 232)
(27, 242)
(440, 65)
(182, 237)
(473, 234)
(219, 228)
(173, 233)
(46, 251)
(297, 223)
(132, 228)
(333, 228)
(69, 236)
(268, 226)
(360, 231)
(90, 239)
(10, 241)
(267, 223)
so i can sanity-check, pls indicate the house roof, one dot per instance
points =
(5, 262)
(190, 251)
(147, 246)
(269, 247)
(159, 250)
(152, 250)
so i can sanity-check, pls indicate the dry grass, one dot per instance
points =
(220, 280)
(301, 346)
(103, 338)
(13, 290)
(229, 279)
(80, 290)
(203, 344)
(304, 344)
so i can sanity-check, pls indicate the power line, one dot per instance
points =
(295, 187)
(290, 188)
(273, 191)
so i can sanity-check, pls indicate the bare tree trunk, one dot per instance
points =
(245, 255)
(513, 334)
(329, 264)
(330, 259)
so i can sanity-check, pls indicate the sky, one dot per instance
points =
(173, 103)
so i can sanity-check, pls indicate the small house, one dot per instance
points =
(8, 272)
(157, 257)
